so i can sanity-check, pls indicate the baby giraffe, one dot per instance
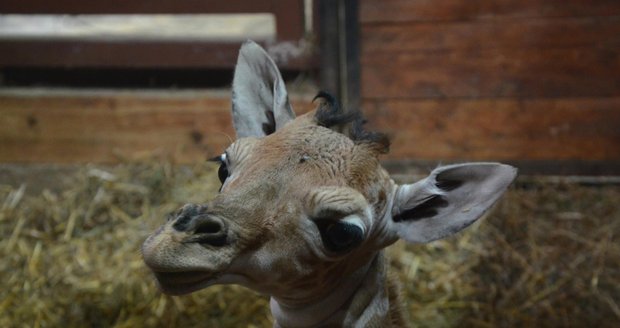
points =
(305, 210)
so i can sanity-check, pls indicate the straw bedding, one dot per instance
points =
(547, 256)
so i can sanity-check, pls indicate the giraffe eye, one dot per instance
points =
(338, 236)
(222, 171)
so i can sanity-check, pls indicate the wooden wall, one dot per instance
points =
(533, 82)
(47, 126)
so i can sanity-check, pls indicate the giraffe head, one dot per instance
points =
(304, 201)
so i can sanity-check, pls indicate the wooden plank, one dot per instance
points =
(289, 19)
(106, 127)
(141, 54)
(504, 72)
(289, 14)
(546, 136)
(599, 32)
(390, 11)
(500, 129)
(137, 6)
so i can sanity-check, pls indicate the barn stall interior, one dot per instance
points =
(109, 110)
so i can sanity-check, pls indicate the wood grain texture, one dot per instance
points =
(503, 72)
(140, 6)
(140, 54)
(540, 33)
(500, 129)
(517, 49)
(190, 127)
(106, 128)
(144, 52)
(530, 82)
(381, 11)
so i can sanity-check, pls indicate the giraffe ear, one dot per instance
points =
(260, 103)
(448, 200)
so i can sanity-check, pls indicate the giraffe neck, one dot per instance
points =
(362, 300)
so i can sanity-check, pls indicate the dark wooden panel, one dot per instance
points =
(129, 54)
(289, 18)
(289, 14)
(480, 73)
(531, 82)
(540, 33)
(137, 6)
(106, 127)
(503, 129)
(382, 11)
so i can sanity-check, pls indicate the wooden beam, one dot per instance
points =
(391, 11)
(43, 127)
(570, 129)
(596, 32)
(137, 6)
(107, 127)
(84, 52)
(484, 73)
(139, 54)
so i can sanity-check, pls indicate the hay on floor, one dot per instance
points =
(547, 256)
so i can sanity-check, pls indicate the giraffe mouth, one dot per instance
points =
(179, 283)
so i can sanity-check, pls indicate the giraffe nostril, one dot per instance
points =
(209, 230)
(186, 215)
(202, 228)
(207, 225)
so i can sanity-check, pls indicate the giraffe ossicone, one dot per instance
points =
(305, 210)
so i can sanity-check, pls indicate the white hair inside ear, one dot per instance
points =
(260, 100)
(448, 200)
